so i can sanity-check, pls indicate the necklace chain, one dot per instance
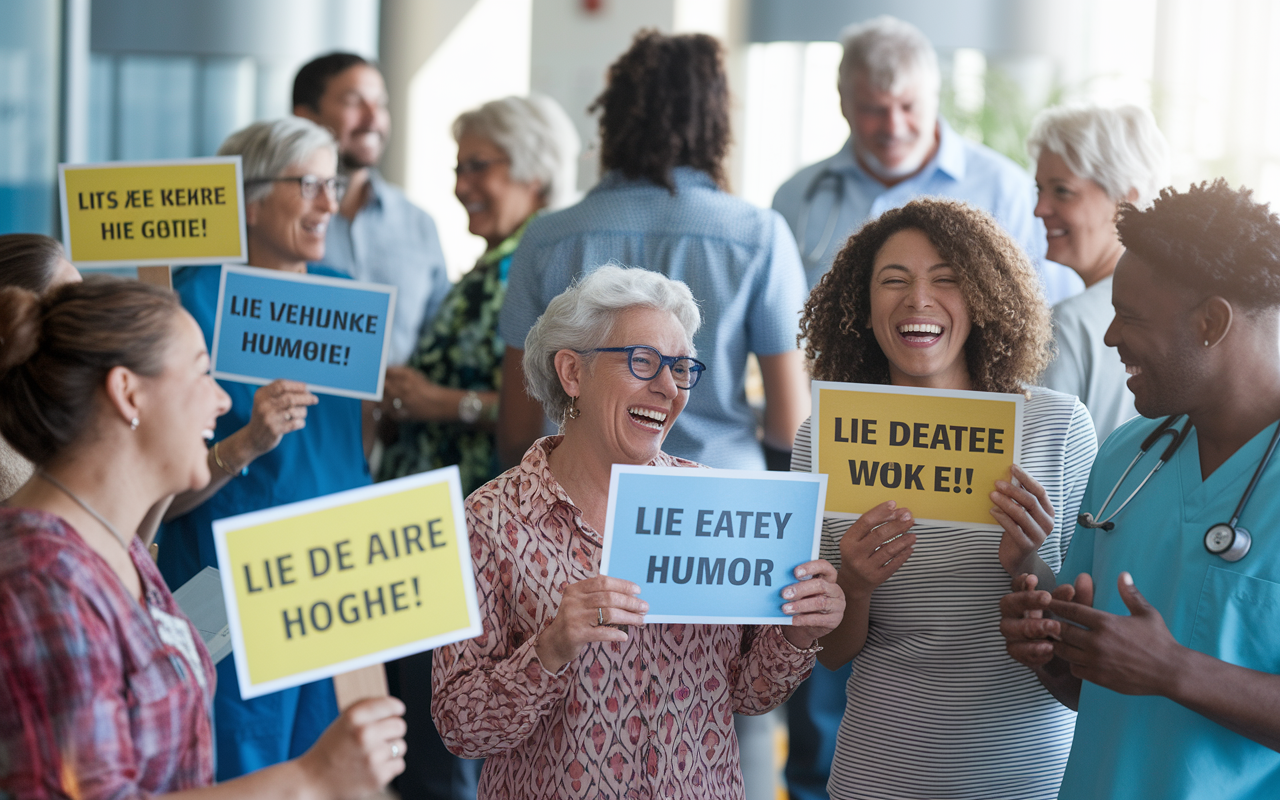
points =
(101, 519)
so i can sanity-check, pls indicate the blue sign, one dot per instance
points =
(711, 545)
(332, 334)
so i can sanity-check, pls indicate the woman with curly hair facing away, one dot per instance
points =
(661, 205)
(936, 295)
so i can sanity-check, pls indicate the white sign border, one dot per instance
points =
(152, 262)
(695, 473)
(221, 527)
(322, 280)
(1018, 400)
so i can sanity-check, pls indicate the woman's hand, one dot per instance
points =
(1024, 511)
(875, 546)
(815, 605)
(578, 621)
(360, 752)
(407, 394)
(280, 407)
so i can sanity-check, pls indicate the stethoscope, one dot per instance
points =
(811, 257)
(1225, 539)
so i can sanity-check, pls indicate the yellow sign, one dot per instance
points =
(329, 585)
(158, 212)
(936, 452)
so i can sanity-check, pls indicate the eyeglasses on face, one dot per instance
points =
(646, 362)
(310, 185)
(477, 166)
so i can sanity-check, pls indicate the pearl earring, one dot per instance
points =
(133, 424)
(1206, 342)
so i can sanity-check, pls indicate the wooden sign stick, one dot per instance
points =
(352, 687)
(157, 276)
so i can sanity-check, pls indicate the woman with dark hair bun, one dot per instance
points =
(36, 263)
(105, 687)
(936, 295)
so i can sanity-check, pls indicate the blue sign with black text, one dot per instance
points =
(329, 333)
(711, 545)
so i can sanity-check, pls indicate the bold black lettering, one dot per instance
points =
(762, 522)
(409, 541)
(840, 438)
(316, 572)
(656, 569)
(340, 320)
(250, 342)
(912, 476)
(310, 350)
(733, 571)
(941, 476)
(993, 439)
(356, 321)
(781, 522)
(283, 569)
(704, 521)
(432, 533)
(860, 475)
(328, 317)
(885, 469)
(289, 623)
(328, 616)
(371, 324)
(714, 573)
(725, 523)
(344, 556)
(976, 436)
(743, 516)
(307, 315)
(375, 545)
(288, 348)
(940, 437)
(958, 435)
(764, 570)
(206, 196)
(868, 431)
(899, 434)
(248, 581)
(276, 316)
(344, 610)
(397, 594)
(918, 434)
(640, 529)
(369, 604)
(688, 570)
(673, 521)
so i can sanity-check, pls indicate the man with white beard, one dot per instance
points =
(377, 234)
(900, 149)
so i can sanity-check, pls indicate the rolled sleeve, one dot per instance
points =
(770, 670)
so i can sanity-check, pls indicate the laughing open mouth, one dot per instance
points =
(649, 418)
(920, 332)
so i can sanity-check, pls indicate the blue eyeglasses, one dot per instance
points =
(646, 362)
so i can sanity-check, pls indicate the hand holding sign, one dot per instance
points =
(360, 752)
(1026, 514)
(280, 407)
(815, 605)
(588, 612)
(873, 548)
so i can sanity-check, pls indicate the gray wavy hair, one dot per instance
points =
(268, 148)
(537, 136)
(1120, 148)
(582, 317)
(888, 51)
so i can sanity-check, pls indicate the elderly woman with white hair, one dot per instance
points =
(568, 692)
(516, 156)
(279, 443)
(1089, 160)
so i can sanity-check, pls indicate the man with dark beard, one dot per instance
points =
(377, 234)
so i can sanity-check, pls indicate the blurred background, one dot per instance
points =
(98, 80)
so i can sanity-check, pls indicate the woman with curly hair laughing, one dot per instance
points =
(936, 295)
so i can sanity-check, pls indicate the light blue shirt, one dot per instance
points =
(394, 242)
(826, 202)
(739, 261)
(1151, 747)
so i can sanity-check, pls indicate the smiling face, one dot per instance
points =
(1079, 219)
(918, 314)
(181, 407)
(1157, 338)
(286, 230)
(894, 131)
(624, 418)
(354, 108)
(496, 205)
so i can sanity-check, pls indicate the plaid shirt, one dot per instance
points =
(93, 702)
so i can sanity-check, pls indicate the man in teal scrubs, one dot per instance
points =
(1170, 652)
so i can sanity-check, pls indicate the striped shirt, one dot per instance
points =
(936, 708)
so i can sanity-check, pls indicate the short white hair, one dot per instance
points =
(889, 52)
(1120, 148)
(581, 318)
(267, 149)
(539, 138)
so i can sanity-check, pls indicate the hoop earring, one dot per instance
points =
(133, 424)
(573, 412)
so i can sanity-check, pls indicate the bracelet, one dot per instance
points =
(217, 460)
(469, 407)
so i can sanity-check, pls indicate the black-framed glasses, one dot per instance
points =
(646, 362)
(477, 166)
(310, 185)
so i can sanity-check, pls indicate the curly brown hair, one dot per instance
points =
(666, 105)
(1010, 341)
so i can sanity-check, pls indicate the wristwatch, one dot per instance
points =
(469, 408)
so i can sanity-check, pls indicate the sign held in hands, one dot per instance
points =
(711, 545)
(937, 452)
(330, 333)
(153, 212)
(349, 580)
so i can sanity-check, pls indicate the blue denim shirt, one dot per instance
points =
(392, 241)
(838, 190)
(739, 261)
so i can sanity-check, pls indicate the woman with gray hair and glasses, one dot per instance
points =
(1089, 160)
(279, 443)
(568, 693)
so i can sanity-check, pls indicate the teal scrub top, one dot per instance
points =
(1151, 747)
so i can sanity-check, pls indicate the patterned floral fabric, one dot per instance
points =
(651, 717)
(460, 350)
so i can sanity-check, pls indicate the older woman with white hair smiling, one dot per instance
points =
(1089, 160)
(279, 443)
(567, 692)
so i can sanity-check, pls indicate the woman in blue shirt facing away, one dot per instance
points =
(279, 443)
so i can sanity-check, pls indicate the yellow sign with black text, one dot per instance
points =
(157, 212)
(329, 585)
(936, 452)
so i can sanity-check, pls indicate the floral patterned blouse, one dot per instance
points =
(460, 349)
(649, 717)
